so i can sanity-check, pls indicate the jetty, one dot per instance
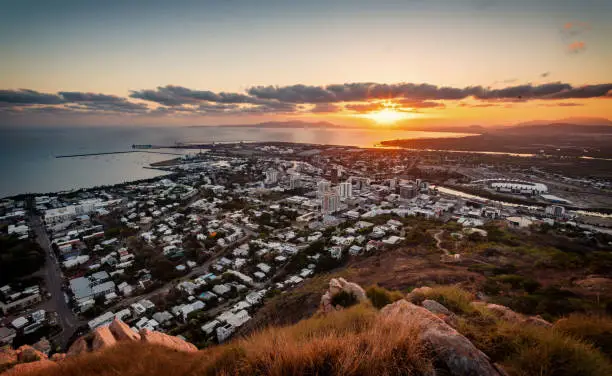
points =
(114, 152)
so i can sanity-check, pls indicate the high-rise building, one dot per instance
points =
(345, 189)
(362, 184)
(392, 183)
(334, 175)
(271, 176)
(294, 182)
(322, 187)
(330, 202)
(407, 192)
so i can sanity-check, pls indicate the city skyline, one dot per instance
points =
(234, 62)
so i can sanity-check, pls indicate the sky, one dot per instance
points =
(419, 62)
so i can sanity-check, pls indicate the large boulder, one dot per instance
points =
(118, 331)
(79, 346)
(510, 316)
(435, 307)
(336, 286)
(452, 349)
(122, 331)
(102, 338)
(440, 311)
(162, 339)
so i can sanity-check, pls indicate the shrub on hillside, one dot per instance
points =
(452, 297)
(380, 296)
(344, 299)
(594, 329)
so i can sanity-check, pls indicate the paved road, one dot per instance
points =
(52, 273)
(197, 271)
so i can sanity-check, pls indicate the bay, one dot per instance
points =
(28, 162)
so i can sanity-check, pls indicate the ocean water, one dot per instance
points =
(28, 163)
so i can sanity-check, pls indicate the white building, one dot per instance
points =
(67, 213)
(330, 202)
(323, 186)
(271, 176)
(555, 211)
(345, 189)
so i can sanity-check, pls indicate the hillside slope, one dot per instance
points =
(431, 331)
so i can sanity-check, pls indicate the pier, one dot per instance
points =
(114, 152)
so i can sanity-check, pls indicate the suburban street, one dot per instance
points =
(52, 274)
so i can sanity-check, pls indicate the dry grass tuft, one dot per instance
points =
(591, 328)
(452, 297)
(351, 342)
(380, 296)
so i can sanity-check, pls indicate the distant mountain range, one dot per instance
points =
(567, 125)
(572, 120)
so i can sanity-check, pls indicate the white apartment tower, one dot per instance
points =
(323, 186)
(330, 202)
(345, 189)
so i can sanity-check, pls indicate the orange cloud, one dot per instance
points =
(576, 47)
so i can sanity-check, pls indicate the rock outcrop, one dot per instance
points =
(455, 351)
(336, 286)
(122, 332)
(440, 311)
(509, 315)
(418, 294)
(28, 359)
(117, 332)
(162, 339)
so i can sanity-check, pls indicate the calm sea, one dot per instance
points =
(28, 163)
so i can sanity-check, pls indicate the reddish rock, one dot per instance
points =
(451, 348)
(162, 339)
(122, 332)
(78, 347)
(102, 338)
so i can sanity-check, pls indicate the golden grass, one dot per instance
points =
(380, 296)
(596, 329)
(351, 342)
(548, 352)
(452, 297)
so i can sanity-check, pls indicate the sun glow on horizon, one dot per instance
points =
(388, 115)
